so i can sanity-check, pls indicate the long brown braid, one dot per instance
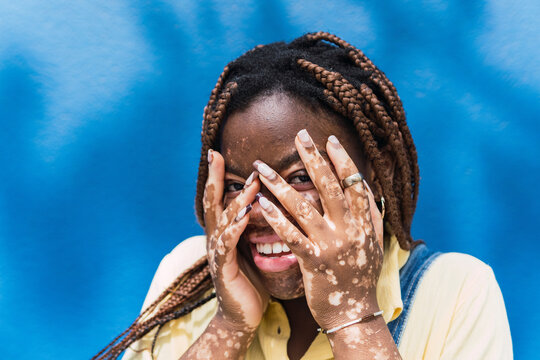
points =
(321, 69)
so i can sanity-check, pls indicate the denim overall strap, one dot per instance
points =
(410, 275)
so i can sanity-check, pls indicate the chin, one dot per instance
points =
(283, 285)
(289, 295)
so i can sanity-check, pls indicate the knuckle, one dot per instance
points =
(304, 209)
(293, 236)
(333, 189)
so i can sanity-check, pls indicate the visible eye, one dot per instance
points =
(300, 181)
(233, 187)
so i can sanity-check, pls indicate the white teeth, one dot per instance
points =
(267, 249)
(272, 248)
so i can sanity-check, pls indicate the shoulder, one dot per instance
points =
(458, 278)
(459, 260)
(458, 311)
(181, 258)
(460, 267)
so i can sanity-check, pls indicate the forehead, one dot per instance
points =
(265, 131)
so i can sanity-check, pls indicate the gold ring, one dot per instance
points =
(351, 180)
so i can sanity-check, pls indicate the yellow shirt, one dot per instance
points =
(458, 312)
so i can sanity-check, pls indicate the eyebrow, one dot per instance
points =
(284, 163)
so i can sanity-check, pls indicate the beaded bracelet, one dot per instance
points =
(362, 319)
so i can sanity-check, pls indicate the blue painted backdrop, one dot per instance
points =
(100, 113)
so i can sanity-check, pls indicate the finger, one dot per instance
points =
(213, 190)
(331, 194)
(299, 244)
(301, 209)
(228, 240)
(221, 250)
(246, 196)
(356, 194)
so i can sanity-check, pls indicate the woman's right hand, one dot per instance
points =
(241, 302)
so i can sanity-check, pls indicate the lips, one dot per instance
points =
(270, 254)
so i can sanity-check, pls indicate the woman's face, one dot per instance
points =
(265, 131)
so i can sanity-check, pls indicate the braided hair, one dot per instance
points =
(330, 74)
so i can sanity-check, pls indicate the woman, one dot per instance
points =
(307, 187)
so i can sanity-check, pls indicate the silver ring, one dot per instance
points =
(351, 180)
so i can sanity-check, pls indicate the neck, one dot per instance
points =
(303, 327)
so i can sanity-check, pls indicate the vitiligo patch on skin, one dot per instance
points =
(212, 340)
(353, 337)
(311, 198)
(323, 245)
(331, 277)
(220, 247)
(304, 209)
(361, 258)
(333, 189)
(379, 353)
(334, 298)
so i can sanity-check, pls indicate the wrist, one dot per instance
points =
(370, 339)
(362, 329)
(223, 323)
(220, 341)
(350, 311)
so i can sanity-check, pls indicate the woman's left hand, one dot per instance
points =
(340, 255)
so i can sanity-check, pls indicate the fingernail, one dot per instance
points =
(334, 141)
(210, 156)
(265, 170)
(243, 212)
(257, 196)
(249, 180)
(304, 138)
(265, 204)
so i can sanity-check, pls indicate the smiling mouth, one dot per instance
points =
(276, 249)
(270, 253)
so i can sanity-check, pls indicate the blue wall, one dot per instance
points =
(100, 111)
